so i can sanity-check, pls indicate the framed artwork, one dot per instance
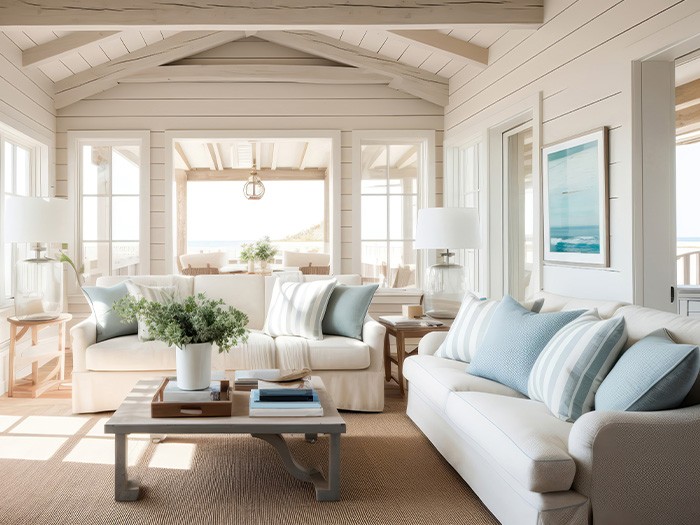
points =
(575, 200)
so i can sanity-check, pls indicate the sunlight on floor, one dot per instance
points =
(101, 451)
(7, 421)
(29, 447)
(50, 425)
(173, 455)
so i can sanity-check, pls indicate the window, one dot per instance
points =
(18, 161)
(113, 188)
(393, 184)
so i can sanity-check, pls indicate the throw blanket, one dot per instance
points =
(292, 352)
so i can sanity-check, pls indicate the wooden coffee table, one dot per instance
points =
(134, 416)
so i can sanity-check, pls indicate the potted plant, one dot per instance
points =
(192, 325)
(247, 255)
(264, 252)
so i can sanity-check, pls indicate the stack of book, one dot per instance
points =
(248, 379)
(409, 322)
(275, 401)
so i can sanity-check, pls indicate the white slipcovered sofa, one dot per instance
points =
(529, 467)
(105, 372)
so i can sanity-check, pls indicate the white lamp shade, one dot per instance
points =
(37, 219)
(447, 228)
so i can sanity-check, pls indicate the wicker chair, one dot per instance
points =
(315, 270)
(206, 270)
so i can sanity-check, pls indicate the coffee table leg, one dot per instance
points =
(311, 438)
(326, 489)
(124, 488)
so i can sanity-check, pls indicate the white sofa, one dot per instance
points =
(352, 370)
(529, 467)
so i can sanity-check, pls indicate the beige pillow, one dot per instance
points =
(159, 294)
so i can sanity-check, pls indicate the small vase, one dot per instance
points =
(251, 266)
(193, 366)
(263, 267)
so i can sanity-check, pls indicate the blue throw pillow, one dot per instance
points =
(655, 373)
(109, 324)
(346, 310)
(513, 341)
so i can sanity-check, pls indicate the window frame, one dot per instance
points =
(78, 139)
(425, 139)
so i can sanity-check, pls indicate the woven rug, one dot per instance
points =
(58, 469)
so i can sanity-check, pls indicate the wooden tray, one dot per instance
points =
(223, 408)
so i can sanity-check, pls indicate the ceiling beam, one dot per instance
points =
(408, 79)
(447, 45)
(688, 94)
(266, 14)
(265, 174)
(303, 158)
(257, 73)
(183, 156)
(275, 155)
(215, 163)
(57, 49)
(687, 119)
(405, 159)
(105, 76)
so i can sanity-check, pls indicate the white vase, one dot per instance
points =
(193, 366)
(251, 266)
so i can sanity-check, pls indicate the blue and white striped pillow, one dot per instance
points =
(468, 329)
(298, 308)
(574, 363)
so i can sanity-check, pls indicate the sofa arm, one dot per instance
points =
(431, 342)
(639, 467)
(82, 335)
(373, 335)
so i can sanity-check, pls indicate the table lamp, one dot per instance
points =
(38, 280)
(446, 228)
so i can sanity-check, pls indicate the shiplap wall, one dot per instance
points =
(580, 60)
(239, 106)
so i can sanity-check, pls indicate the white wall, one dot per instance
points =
(580, 61)
(244, 107)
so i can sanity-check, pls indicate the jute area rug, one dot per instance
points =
(57, 469)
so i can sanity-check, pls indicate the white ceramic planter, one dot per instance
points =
(193, 366)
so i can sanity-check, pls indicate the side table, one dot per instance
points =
(401, 333)
(36, 353)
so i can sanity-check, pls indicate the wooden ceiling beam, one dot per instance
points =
(257, 73)
(267, 14)
(65, 45)
(275, 155)
(183, 156)
(688, 94)
(455, 48)
(304, 156)
(105, 76)
(213, 151)
(409, 79)
(265, 174)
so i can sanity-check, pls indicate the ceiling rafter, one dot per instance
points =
(183, 155)
(409, 79)
(105, 76)
(264, 173)
(455, 48)
(65, 45)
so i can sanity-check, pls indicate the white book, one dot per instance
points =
(172, 394)
(401, 321)
(286, 412)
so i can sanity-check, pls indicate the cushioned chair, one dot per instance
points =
(202, 263)
(308, 263)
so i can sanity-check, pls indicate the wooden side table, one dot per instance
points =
(36, 353)
(401, 333)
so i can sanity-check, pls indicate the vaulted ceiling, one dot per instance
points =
(410, 46)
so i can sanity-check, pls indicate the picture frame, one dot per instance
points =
(575, 200)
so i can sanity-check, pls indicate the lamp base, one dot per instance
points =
(38, 289)
(444, 290)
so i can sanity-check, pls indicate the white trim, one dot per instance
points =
(426, 184)
(334, 180)
(112, 137)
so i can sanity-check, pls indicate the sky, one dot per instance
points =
(688, 191)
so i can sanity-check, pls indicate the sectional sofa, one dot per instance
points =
(528, 466)
(105, 372)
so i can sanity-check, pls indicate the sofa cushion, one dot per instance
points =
(437, 378)
(347, 309)
(244, 292)
(128, 353)
(568, 372)
(656, 373)
(158, 294)
(109, 323)
(519, 434)
(298, 308)
(513, 341)
(183, 283)
(330, 353)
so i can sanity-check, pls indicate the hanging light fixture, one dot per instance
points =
(254, 189)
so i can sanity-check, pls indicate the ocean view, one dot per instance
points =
(575, 239)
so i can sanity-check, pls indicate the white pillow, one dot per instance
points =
(158, 294)
(298, 308)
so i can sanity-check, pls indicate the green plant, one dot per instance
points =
(247, 253)
(264, 250)
(64, 258)
(193, 320)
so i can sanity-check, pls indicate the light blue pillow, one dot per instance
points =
(346, 310)
(109, 324)
(655, 373)
(513, 341)
(574, 363)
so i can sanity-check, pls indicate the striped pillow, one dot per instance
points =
(469, 327)
(298, 308)
(569, 370)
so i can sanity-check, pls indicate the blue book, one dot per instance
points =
(256, 403)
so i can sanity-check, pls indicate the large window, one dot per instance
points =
(18, 161)
(391, 182)
(113, 204)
